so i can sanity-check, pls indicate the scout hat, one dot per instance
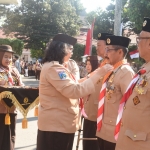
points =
(102, 36)
(146, 24)
(65, 39)
(91, 58)
(117, 40)
(6, 48)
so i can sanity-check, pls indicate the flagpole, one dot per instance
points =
(92, 28)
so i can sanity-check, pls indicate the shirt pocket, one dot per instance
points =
(136, 136)
(110, 121)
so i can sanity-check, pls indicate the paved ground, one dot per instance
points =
(26, 138)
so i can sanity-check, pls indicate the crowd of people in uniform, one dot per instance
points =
(113, 99)
(27, 68)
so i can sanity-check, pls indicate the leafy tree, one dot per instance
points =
(136, 11)
(16, 44)
(79, 51)
(35, 22)
(37, 53)
(104, 20)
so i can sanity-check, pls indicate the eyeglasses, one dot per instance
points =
(139, 38)
(108, 50)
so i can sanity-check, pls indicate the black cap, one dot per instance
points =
(117, 40)
(6, 48)
(102, 36)
(90, 58)
(65, 39)
(146, 24)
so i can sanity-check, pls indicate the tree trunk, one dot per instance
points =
(117, 23)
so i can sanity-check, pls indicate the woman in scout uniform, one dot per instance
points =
(9, 76)
(135, 130)
(90, 108)
(58, 117)
(114, 86)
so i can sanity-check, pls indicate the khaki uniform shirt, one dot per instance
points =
(73, 68)
(58, 94)
(135, 130)
(91, 103)
(122, 77)
(17, 82)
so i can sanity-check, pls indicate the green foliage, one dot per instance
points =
(137, 10)
(104, 20)
(79, 51)
(37, 53)
(16, 44)
(36, 21)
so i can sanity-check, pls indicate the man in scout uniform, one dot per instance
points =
(114, 86)
(135, 130)
(101, 44)
(91, 104)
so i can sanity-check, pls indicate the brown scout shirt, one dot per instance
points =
(135, 130)
(58, 94)
(121, 80)
(73, 68)
(18, 82)
(91, 103)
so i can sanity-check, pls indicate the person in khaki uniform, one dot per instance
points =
(116, 84)
(135, 130)
(72, 65)
(58, 118)
(9, 76)
(89, 127)
(90, 108)
(91, 105)
(74, 69)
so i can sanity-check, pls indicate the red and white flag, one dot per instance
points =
(88, 47)
(134, 54)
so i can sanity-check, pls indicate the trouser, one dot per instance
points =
(89, 131)
(7, 132)
(106, 145)
(26, 72)
(48, 140)
(37, 76)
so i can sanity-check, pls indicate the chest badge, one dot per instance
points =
(140, 85)
(136, 100)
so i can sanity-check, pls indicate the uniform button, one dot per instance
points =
(124, 107)
(110, 121)
(121, 124)
(134, 136)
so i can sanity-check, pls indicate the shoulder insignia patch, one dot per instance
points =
(62, 74)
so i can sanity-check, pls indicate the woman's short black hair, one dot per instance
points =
(55, 51)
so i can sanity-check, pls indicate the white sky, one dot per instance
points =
(94, 4)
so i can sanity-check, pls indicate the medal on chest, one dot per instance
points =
(110, 87)
(141, 84)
